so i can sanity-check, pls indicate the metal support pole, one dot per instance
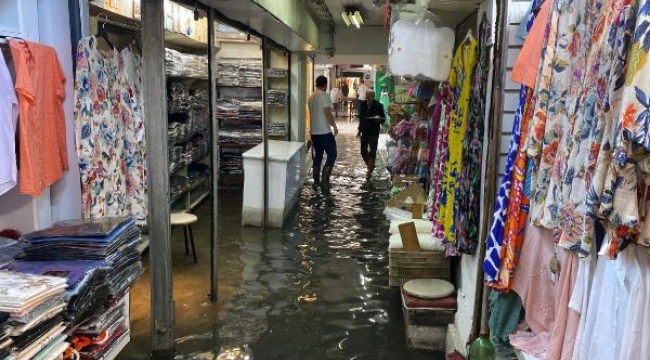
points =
(215, 158)
(492, 171)
(155, 114)
(265, 130)
(288, 55)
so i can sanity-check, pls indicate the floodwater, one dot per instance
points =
(317, 289)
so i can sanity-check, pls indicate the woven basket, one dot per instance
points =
(408, 265)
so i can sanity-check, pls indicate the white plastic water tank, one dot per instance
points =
(420, 49)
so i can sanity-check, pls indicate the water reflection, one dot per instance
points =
(317, 289)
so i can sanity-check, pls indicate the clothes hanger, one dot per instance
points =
(101, 30)
(136, 41)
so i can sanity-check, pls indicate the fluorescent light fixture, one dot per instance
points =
(357, 15)
(346, 18)
(355, 21)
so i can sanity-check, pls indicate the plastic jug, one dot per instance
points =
(482, 349)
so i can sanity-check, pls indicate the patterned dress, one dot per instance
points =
(494, 246)
(625, 193)
(467, 213)
(460, 79)
(109, 132)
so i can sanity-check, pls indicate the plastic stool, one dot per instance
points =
(186, 220)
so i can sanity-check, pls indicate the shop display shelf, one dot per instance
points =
(237, 146)
(176, 40)
(195, 202)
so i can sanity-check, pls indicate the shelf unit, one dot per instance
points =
(189, 108)
(276, 79)
(173, 39)
(239, 81)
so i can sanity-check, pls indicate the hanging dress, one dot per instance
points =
(460, 79)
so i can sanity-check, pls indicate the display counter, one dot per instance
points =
(285, 180)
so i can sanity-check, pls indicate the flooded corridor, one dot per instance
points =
(317, 289)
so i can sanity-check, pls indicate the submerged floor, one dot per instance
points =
(317, 289)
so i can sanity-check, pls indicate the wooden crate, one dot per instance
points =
(408, 265)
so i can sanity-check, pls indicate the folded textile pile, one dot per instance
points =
(275, 72)
(232, 163)
(104, 333)
(277, 129)
(176, 158)
(189, 65)
(239, 72)
(30, 316)
(277, 97)
(9, 249)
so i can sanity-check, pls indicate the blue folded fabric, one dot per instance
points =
(77, 272)
(93, 230)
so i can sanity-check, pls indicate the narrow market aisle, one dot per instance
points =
(318, 289)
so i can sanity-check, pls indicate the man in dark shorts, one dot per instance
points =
(369, 130)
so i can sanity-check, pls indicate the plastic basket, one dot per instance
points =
(408, 265)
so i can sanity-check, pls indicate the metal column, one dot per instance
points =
(493, 144)
(265, 130)
(155, 113)
(215, 158)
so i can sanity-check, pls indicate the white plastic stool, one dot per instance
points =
(186, 220)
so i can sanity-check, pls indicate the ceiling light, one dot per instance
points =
(357, 15)
(346, 18)
(355, 21)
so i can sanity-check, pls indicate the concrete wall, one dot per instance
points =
(368, 45)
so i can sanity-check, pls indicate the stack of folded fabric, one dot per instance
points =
(275, 72)
(30, 314)
(277, 129)
(277, 97)
(98, 258)
(96, 262)
(9, 249)
(104, 333)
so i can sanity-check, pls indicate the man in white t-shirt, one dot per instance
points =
(323, 129)
(362, 90)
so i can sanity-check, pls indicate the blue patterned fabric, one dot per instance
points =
(492, 260)
(495, 238)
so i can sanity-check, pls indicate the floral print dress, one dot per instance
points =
(109, 132)
(467, 212)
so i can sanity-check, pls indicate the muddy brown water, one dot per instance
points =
(316, 289)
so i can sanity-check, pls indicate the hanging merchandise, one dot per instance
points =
(420, 49)
(110, 132)
(460, 80)
(498, 236)
(8, 120)
(40, 88)
(467, 208)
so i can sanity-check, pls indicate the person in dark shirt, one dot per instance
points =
(345, 90)
(369, 130)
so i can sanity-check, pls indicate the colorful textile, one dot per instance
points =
(467, 210)
(42, 137)
(492, 261)
(536, 137)
(460, 79)
(622, 195)
(110, 132)
(518, 206)
(563, 91)
(438, 167)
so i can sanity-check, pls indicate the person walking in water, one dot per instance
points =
(335, 95)
(371, 116)
(323, 130)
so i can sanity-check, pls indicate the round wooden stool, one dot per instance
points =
(186, 220)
